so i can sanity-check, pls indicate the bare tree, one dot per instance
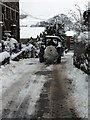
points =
(77, 17)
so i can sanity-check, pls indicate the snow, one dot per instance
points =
(25, 48)
(79, 93)
(11, 73)
(4, 55)
(28, 21)
(12, 40)
(36, 93)
(83, 36)
(10, 44)
(29, 47)
(15, 55)
(52, 36)
(80, 83)
(0, 45)
(27, 32)
(7, 34)
(70, 33)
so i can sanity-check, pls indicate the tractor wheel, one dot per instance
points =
(41, 58)
(59, 59)
(41, 55)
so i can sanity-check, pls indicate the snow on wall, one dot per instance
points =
(4, 55)
(25, 49)
(80, 83)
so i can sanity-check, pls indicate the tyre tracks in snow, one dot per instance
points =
(55, 102)
(50, 90)
(19, 99)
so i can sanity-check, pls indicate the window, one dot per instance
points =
(5, 14)
(12, 14)
(17, 16)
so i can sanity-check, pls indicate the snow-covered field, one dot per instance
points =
(11, 73)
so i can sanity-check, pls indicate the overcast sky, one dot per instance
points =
(45, 9)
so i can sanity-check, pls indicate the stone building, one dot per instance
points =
(70, 40)
(10, 18)
(0, 22)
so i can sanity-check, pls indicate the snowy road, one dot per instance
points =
(33, 90)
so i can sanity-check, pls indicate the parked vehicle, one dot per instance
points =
(51, 50)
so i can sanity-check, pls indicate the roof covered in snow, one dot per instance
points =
(84, 36)
(70, 33)
(27, 32)
(4, 55)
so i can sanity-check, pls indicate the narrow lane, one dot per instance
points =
(21, 95)
(46, 93)
(54, 100)
(59, 98)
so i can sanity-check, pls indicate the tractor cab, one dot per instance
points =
(51, 50)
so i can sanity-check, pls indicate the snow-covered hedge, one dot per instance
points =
(10, 45)
(26, 52)
(83, 37)
(81, 58)
(4, 58)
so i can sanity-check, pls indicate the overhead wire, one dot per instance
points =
(32, 16)
(23, 12)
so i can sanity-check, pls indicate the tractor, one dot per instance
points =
(51, 50)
